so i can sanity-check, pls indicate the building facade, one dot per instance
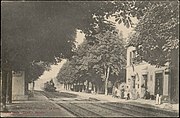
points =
(142, 77)
(18, 86)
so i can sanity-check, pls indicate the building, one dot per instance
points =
(18, 86)
(142, 76)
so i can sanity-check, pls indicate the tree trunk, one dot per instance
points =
(105, 86)
(68, 86)
(106, 81)
(65, 86)
(79, 86)
(87, 89)
(26, 83)
(4, 88)
(83, 87)
(174, 77)
(26, 87)
(92, 87)
(95, 88)
(173, 94)
(98, 89)
(9, 87)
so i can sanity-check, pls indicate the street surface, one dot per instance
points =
(64, 104)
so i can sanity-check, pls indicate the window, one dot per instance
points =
(135, 58)
(145, 77)
(134, 80)
(133, 53)
(132, 56)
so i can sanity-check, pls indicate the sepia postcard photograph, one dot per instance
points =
(89, 58)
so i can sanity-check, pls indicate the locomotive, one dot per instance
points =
(49, 86)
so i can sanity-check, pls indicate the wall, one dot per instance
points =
(18, 85)
(138, 70)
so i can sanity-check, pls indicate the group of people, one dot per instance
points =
(120, 93)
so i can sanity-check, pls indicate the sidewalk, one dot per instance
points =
(37, 106)
(139, 102)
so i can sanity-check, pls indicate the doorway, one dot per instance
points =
(159, 83)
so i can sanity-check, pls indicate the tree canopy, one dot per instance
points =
(156, 34)
(45, 31)
(91, 61)
(156, 39)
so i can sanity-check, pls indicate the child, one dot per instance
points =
(125, 95)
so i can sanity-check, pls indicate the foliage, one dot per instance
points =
(45, 31)
(156, 34)
(90, 60)
(157, 42)
(35, 70)
(109, 51)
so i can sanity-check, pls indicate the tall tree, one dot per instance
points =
(105, 57)
(51, 27)
(108, 55)
(45, 31)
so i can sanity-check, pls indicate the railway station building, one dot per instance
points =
(142, 77)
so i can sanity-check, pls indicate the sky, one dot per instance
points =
(126, 31)
(48, 75)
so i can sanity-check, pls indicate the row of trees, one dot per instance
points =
(155, 37)
(96, 62)
(45, 32)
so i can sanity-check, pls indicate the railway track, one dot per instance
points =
(105, 111)
(122, 112)
(58, 94)
(78, 110)
(87, 107)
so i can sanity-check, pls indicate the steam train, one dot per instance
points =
(49, 86)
